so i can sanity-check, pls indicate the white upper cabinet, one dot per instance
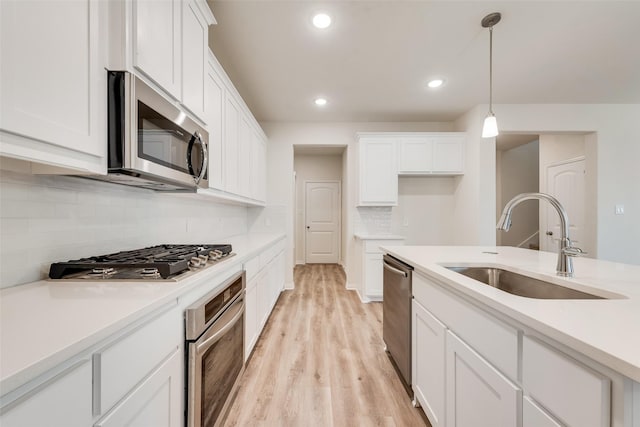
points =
(237, 144)
(214, 105)
(244, 157)
(195, 31)
(431, 154)
(385, 155)
(378, 174)
(53, 101)
(231, 151)
(415, 155)
(448, 154)
(166, 43)
(156, 42)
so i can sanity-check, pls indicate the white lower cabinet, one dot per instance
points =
(478, 395)
(572, 392)
(428, 363)
(534, 416)
(156, 401)
(265, 281)
(63, 401)
(370, 267)
(487, 371)
(121, 365)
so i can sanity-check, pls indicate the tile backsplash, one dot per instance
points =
(56, 218)
(373, 220)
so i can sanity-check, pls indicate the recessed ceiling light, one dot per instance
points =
(435, 83)
(321, 20)
(320, 101)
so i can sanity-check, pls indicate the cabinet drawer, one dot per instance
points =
(64, 400)
(252, 267)
(118, 367)
(494, 340)
(573, 393)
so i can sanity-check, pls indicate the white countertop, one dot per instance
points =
(45, 323)
(608, 331)
(363, 236)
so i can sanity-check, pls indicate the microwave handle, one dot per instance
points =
(205, 156)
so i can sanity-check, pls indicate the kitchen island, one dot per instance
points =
(571, 362)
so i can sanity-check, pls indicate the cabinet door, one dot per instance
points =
(428, 360)
(378, 183)
(65, 400)
(534, 416)
(373, 275)
(214, 105)
(477, 394)
(415, 156)
(571, 391)
(156, 401)
(156, 42)
(194, 53)
(244, 157)
(448, 155)
(257, 171)
(53, 82)
(250, 318)
(230, 144)
(263, 298)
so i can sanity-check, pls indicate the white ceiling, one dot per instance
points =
(373, 63)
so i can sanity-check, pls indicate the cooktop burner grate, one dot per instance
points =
(165, 260)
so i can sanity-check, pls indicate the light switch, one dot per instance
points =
(619, 209)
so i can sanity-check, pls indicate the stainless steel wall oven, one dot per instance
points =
(214, 330)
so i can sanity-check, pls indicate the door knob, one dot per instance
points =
(307, 227)
(549, 233)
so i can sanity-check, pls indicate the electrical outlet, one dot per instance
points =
(619, 209)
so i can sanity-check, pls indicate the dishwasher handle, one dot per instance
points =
(394, 270)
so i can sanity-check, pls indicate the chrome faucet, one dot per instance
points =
(565, 263)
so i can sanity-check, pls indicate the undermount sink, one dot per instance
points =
(520, 285)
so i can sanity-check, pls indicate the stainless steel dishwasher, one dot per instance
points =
(396, 321)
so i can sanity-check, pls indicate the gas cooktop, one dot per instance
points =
(155, 262)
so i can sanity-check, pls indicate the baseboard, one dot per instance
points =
(289, 286)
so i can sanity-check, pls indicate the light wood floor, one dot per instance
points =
(320, 362)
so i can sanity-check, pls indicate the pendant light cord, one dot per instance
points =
(491, 69)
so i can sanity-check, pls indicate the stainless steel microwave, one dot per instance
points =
(151, 142)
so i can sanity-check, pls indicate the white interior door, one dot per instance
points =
(566, 182)
(322, 222)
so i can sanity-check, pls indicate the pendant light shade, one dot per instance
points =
(490, 128)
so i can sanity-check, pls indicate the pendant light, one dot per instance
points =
(490, 128)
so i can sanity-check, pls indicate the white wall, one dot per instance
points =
(518, 172)
(309, 168)
(614, 137)
(282, 138)
(44, 219)
(423, 214)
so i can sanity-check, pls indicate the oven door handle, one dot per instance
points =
(220, 326)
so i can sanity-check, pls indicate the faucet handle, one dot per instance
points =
(573, 251)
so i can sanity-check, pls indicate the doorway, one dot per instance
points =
(566, 169)
(566, 182)
(322, 222)
(318, 204)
